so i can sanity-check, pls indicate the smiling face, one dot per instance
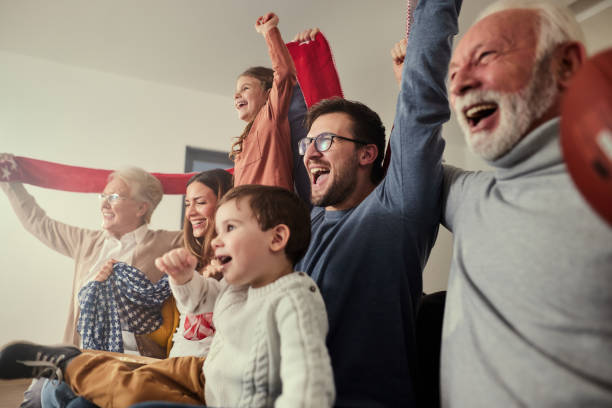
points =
(241, 246)
(249, 97)
(200, 204)
(498, 89)
(333, 173)
(125, 214)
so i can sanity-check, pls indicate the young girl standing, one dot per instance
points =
(262, 154)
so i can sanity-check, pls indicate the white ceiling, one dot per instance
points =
(205, 44)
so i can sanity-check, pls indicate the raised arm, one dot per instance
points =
(297, 116)
(282, 64)
(193, 292)
(58, 236)
(422, 107)
(266, 156)
(398, 53)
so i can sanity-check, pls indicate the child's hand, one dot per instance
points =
(266, 23)
(213, 270)
(179, 264)
(105, 271)
(306, 35)
(398, 53)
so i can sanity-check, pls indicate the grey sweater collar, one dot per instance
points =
(538, 151)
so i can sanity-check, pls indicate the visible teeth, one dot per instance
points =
(478, 110)
(317, 170)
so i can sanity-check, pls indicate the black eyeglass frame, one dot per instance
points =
(302, 146)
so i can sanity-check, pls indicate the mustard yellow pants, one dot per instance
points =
(109, 382)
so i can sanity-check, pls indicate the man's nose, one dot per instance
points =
(311, 151)
(463, 81)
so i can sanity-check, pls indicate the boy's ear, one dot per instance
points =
(280, 237)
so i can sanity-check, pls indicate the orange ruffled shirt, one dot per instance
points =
(266, 157)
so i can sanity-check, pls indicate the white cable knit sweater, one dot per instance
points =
(269, 347)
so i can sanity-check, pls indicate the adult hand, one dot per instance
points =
(266, 23)
(398, 53)
(105, 271)
(8, 166)
(306, 35)
(213, 270)
(179, 264)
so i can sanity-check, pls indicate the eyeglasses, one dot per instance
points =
(322, 142)
(111, 198)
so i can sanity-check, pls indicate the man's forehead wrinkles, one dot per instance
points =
(496, 38)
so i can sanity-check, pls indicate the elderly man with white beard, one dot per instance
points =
(528, 318)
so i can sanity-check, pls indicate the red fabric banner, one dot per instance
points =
(316, 71)
(58, 176)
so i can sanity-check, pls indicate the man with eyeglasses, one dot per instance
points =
(127, 204)
(371, 233)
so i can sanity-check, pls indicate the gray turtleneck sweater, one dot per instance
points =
(528, 318)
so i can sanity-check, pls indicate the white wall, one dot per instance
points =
(86, 118)
(598, 31)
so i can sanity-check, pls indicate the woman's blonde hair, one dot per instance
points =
(144, 187)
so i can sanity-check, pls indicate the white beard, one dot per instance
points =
(517, 112)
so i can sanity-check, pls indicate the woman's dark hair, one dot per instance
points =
(219, 181)
(266, 77)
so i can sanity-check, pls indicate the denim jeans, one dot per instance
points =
(59, 395)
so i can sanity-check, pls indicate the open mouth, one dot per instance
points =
(223, 259)
(240, 104)
(318, 174)
(476, 113)
(198, 223)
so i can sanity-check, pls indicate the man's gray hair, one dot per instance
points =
(144, 187)
(558, 23)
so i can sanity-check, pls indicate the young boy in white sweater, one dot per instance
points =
(269, 347)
